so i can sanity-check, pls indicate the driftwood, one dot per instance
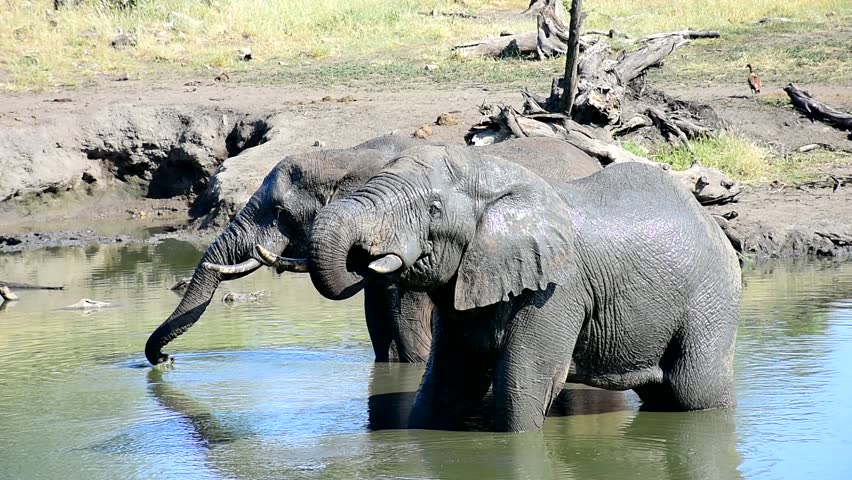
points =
(27, 286)
(86, 304)
(805, 103)
(509, 122)
(688, 34)
(708, 185)
(6, 294)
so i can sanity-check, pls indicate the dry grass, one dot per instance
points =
(40, 48)
(650, 16)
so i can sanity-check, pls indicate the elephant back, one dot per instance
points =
(549, 158)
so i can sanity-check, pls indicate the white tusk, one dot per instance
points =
(266, 256)
(249, 265)
(298, 265)
(387, 264)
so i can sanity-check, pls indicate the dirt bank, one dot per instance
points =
(135, 161)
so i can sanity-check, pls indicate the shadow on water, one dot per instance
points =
(205, 429)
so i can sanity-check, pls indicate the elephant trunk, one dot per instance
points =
(234, 245)
(333, 257)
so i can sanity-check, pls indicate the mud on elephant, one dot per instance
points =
(272, 229)
(620, 273)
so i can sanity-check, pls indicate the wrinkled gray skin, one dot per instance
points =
(279, 217)
(621, 273)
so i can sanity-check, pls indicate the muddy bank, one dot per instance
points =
(163, 162)
(780, 221)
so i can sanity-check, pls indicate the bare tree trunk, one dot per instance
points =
(571, 58)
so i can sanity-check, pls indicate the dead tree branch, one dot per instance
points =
(805, 103)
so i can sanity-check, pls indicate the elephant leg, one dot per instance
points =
(456, 380)
(413, 326)
(533, 365)
(693, 378)
(380, 309)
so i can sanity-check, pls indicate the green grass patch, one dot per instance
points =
(635, 148)
(746, 162)
(739, 158)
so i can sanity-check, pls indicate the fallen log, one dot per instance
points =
(511, 123)
(27, 286)
(688, 34)
(805, 103)
(550, 39)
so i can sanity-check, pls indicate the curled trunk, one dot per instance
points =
(333, 259)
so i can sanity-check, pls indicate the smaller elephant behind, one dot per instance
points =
(621, 273)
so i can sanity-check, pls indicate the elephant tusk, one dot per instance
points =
(387, 264)
(298, 265)
(249, 265)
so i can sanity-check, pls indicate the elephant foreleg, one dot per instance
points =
(454, 384)
(533, 366)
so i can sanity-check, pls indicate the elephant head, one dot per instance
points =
(273, 226)
(438, 215)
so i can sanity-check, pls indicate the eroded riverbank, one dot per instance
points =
(146, 162)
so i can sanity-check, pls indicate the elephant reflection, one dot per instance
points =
(600, 435)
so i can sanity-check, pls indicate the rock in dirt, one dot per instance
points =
(423, 132)
(448, 119)
(123, 40)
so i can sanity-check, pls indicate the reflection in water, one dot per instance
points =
(287, 389)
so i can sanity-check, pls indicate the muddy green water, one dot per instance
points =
(288, 389)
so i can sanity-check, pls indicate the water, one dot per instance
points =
(287, 388)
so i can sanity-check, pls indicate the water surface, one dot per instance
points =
(288, 389)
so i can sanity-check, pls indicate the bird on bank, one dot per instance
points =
(753, 81)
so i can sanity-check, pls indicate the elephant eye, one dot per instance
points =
(435, 209)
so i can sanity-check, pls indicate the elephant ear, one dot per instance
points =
(524, 240)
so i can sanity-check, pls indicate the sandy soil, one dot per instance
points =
(773, 221)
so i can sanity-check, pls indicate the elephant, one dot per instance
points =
(620, 274)
(272, 230)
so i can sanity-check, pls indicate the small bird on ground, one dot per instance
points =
(753, 81)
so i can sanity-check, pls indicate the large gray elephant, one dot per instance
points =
(621, 273)
(274, 224)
